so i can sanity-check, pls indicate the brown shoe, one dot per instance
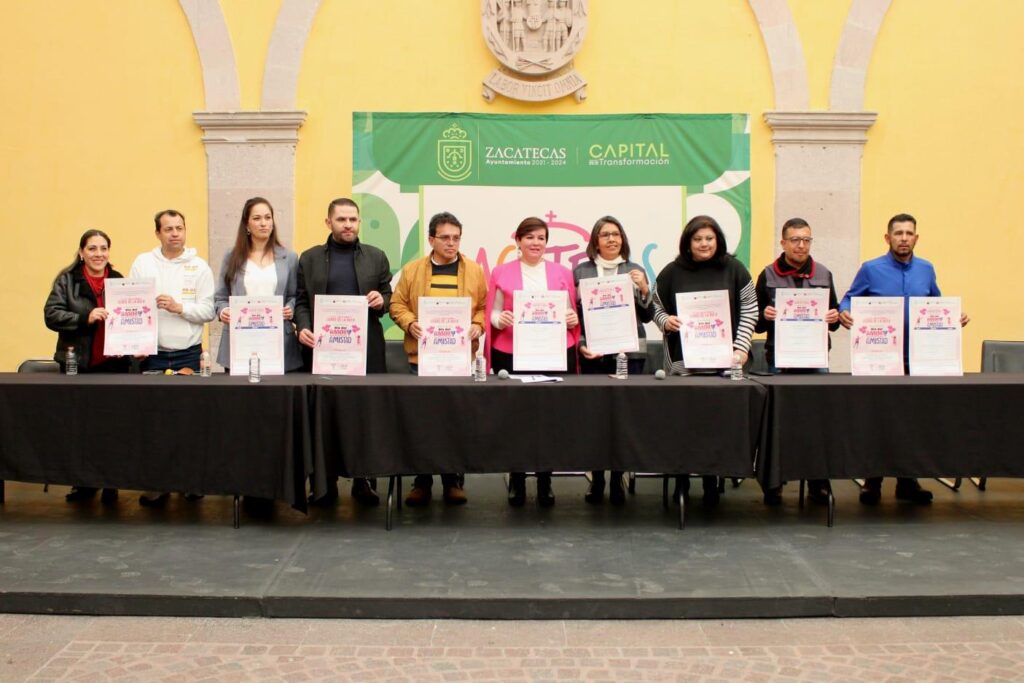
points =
(454, 495)
(418, 497)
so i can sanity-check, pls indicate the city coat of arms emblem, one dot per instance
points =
(535, 41)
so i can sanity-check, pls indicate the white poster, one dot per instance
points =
(444, 346)
(801, 333)
(609, 316)
(706, 331)
(935, 336)
(257, 326)
(538, 338)
(131, 327)
(339, 329)
(876, 339)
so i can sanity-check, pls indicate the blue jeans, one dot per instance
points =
(174, 360)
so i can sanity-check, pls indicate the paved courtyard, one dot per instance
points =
(41, 648)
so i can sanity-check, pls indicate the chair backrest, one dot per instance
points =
(396, 357)
(39, 365)
(757, 362)
(1002, 356)
(655, 356)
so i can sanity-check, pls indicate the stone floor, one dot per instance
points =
(40, 648)
(961, 556)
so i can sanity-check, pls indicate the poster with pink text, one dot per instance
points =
(257, 327)
(339, 329)
(131, 325)
(876, 338)
(706, 331)
(444, 346)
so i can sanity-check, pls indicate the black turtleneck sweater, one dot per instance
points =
(341, 268)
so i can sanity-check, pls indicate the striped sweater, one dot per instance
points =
(729, 274)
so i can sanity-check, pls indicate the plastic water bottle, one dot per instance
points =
(70, 362)
(736, 372)
(254, 368)
(621, 366)
(205, 364)
(479, 367)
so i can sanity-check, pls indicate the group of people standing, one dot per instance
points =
(258, 264)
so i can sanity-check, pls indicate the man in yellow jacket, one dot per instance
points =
(443, 272)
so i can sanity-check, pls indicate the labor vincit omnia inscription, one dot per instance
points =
(535, 41)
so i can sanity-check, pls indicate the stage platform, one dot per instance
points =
(963, 555)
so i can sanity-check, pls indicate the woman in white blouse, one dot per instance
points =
(258, 265)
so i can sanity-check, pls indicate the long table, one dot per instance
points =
(216, 435)
(839, 426)
(222, 435)
(705, 425)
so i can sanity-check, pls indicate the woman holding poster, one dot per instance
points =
(258, 265)
(704, 265)
(529, 273)
(608, 254)
(75, 311)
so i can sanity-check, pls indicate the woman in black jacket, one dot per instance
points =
(75, 311)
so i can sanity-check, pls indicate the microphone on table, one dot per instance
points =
(659, 374)
(502, 374)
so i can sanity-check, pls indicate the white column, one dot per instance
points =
(248, 154)
(818, 177)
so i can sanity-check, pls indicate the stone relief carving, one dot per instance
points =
(535, 41)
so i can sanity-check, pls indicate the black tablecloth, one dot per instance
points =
(217, 435)
(839, 426)
(397, 424)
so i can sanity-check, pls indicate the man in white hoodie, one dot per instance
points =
(184, 303)
(184, 283)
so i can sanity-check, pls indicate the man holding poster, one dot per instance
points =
(184, 302)
(895, 274)
(794, 269)
(345, 266)
(443, 273)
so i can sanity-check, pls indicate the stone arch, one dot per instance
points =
(785, 54)
(216, 54)
(850, 67)
(284, 56)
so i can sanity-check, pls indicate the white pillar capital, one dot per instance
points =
(820, 127)
(250, 127)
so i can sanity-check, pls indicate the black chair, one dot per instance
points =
(1003, 357)
(39, 365)
(35, 365)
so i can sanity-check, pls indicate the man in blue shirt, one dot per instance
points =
(897, 273)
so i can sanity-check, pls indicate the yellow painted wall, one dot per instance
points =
(671, 57)
(948, 148)
(96, 132)
(97, 126)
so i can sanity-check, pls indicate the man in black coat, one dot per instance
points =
(345, 266)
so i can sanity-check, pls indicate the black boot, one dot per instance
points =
(545, 496)
(616, 491)
(595, 492)
(517, 489)
(711, 495)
